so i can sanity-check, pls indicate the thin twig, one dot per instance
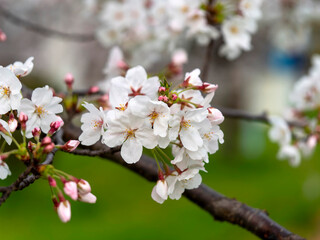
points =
(76, 37)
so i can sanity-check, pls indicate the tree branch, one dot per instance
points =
(76, 37)
(219, 206)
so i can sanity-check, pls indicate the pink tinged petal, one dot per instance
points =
(156, 197)
(64, 211)
(191, 138)
(162, 189)
(84, 187)
(88, 198)
(131, 150)
(70, 188)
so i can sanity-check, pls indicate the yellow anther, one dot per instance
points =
(39, 110)
(5, 91)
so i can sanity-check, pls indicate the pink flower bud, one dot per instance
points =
(83, 187)
(160, 98)
(122, 65)
(69, 80)
(49, 148)
(36, 132)
(71, 145)
(46, 140)
(174, 97)
(162, 89)
(215, 116)
(70, 188)
(23, 118)
(64, 211)
(94, 89)
(162, 189)
(52, 182)
(179, 57)
(3, 36)
(165, 99)
(13, 123)
(88, 198)
(54, 126)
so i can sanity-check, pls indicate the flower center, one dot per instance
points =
(208, 136)
(185, 123)
(153, 116)
(234, 29)
(40, 111)
(97, 123)
(5, 91)
(130, 133)
(122, 107)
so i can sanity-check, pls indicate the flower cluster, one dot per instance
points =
(159, 26)
(305, 99)
(76, 189)
(37, 121)
(236, 29)
(150, 113)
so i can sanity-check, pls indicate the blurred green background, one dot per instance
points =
(245, 168)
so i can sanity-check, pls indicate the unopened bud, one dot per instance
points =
(3, 36)
(160, 98)
(54, 126)
(13, 123)
(174, 97)
(70, 146)
(122, 65)
(93, 90)
(23, 118)
(83, 186)
(46, 140)
(64, 211)
(165, 99)
(69, 80)
(36, 132)
(49, 148)
(162, 89)
(52, 181)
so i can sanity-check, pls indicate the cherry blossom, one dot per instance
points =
(41, 110)
(22, 69)
(93, 124)
(10, 87)
(132, 132)
(133, 84)
(4, 170)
